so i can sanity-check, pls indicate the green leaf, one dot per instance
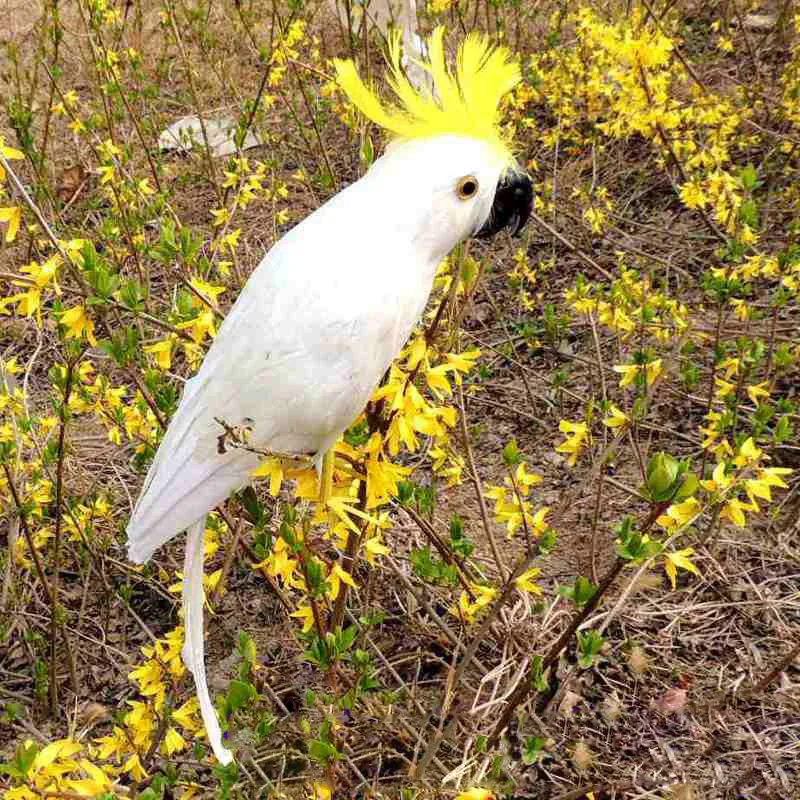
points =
(458, 539)
(581, 592)
(227, 777)
(265, 726)
(584, 591)
(10, 769)
(688, 487)
(748, 212)
(422, 562)
(533, 750)
(405, 492)
(317, 652)
(12, 710)
(367, 152)
(589, 645)
(662, 477)
(315, 578)
(547, 541)
(22, 762)
(357, 434)
(426, 498)
(511, 454)
(749, 178)
(132, 295)
(247, 650)
(240, 694)
(783, 430)
(631, 544)
(433, 569)
(322, 752)
(255, 510)
(345, 639)
(538, 675)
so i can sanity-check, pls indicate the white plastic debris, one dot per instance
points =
(187, 133)
(383, 14)
(760, 22)
(414, 51)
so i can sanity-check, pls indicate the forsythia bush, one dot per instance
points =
(107, 317)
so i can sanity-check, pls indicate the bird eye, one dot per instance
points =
(467, 187)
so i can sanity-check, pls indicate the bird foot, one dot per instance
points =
(300, 458)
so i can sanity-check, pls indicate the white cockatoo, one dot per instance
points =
(332, 303)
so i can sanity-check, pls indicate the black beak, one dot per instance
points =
(513, 201)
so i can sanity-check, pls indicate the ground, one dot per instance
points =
(693, 692)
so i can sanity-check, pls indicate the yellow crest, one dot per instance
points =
(466, 104)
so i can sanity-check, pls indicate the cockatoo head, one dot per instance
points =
(449, 164)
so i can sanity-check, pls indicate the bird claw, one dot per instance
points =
(301, 458)
(238, 437)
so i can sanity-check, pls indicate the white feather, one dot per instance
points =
(193, 650)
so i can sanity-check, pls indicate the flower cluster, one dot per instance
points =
(409, 408)
(10, 215)
(623, 79)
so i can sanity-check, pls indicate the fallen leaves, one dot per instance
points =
(672, 702)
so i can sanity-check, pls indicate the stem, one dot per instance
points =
(212, 173)
(476, 482)
(776, 670)
(56, 581)
(595, 520)
(526, 686)
(710, 398)
(314, 125)
(230, 554)
(478, 638)
(351, 551)
(49, 110)
(572, 247)
(27, 533)
(771, 345)
(318, 621)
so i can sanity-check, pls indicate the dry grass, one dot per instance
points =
(676, 706)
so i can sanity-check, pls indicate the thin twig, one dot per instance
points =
(527, 686)
(56, 580)
(573, 248)
(476, 482)
(782, 664)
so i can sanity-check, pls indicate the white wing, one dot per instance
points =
(295, 361)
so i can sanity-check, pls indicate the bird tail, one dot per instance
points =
(193, 651)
